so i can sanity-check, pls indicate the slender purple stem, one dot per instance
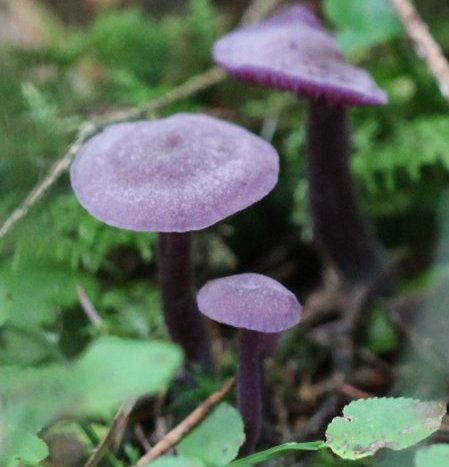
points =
(340, 230)
(249, 382)
(184, 322)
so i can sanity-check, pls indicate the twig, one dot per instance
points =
(87, 306)
(187, 425)
(344, 337)
(140, 435)
(117, 427)
(258, 9)
(94, 440)
(354, 393)
(424, 43)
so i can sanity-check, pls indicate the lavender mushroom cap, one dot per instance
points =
(177, 174)
(250, 301)
(292, 52)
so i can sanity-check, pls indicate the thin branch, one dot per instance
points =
(117, 427)
(140, 435)
(424, 43)
(258, 9)
(88, 307)
(186, 426)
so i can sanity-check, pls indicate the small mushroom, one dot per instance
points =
(261, 308)
(174, 176)
(292, 52)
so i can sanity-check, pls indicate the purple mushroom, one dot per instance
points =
(292, 52)
(173, 176)
(261, 308)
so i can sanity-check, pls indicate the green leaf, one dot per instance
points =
(434, 456)
(362, 23)
(172, 461)
(109, 372)
(277, 451)
(32, 451)
(32, 292)
(218, 439)
(368, 425)
(113, 369)
(414, 146)
(381, 335)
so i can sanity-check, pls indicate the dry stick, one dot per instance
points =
(191, 86)
(258, 9)
(88, 307)
(141, 437)
(424, 43)
(117, 427)
(187, 425)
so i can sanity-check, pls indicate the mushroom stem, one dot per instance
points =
(184, 322)
(249, 382)
(339, 228)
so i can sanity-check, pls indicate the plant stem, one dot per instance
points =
(277, 451)
(249, 382)
(340, 230)
(184, 322)
(95, 440)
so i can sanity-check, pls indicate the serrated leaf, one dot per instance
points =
(172, 461)
(368, 425)
(218, 439)
(433, 456)
(362, 23)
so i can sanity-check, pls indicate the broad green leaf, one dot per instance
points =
(433, 456)
(32, 451)
(371, 424)
(362, 23)
(172, 461)
(218, 439)
(32, 292)
(112, 370)
(277, 451)
(109, 372)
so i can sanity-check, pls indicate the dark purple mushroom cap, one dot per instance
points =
(292, 52)
(250, 301)
(177, 174)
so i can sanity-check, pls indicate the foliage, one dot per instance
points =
(54, 362)
(109, 372)
(362, 24)
(221, 445)
(435, 456)
(367, 425)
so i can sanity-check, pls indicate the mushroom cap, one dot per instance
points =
(250, 301)
(292, 52)
(182, 173)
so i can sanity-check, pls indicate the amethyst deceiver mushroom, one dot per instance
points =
(292, 52)
(261, 308)
(174, 176)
